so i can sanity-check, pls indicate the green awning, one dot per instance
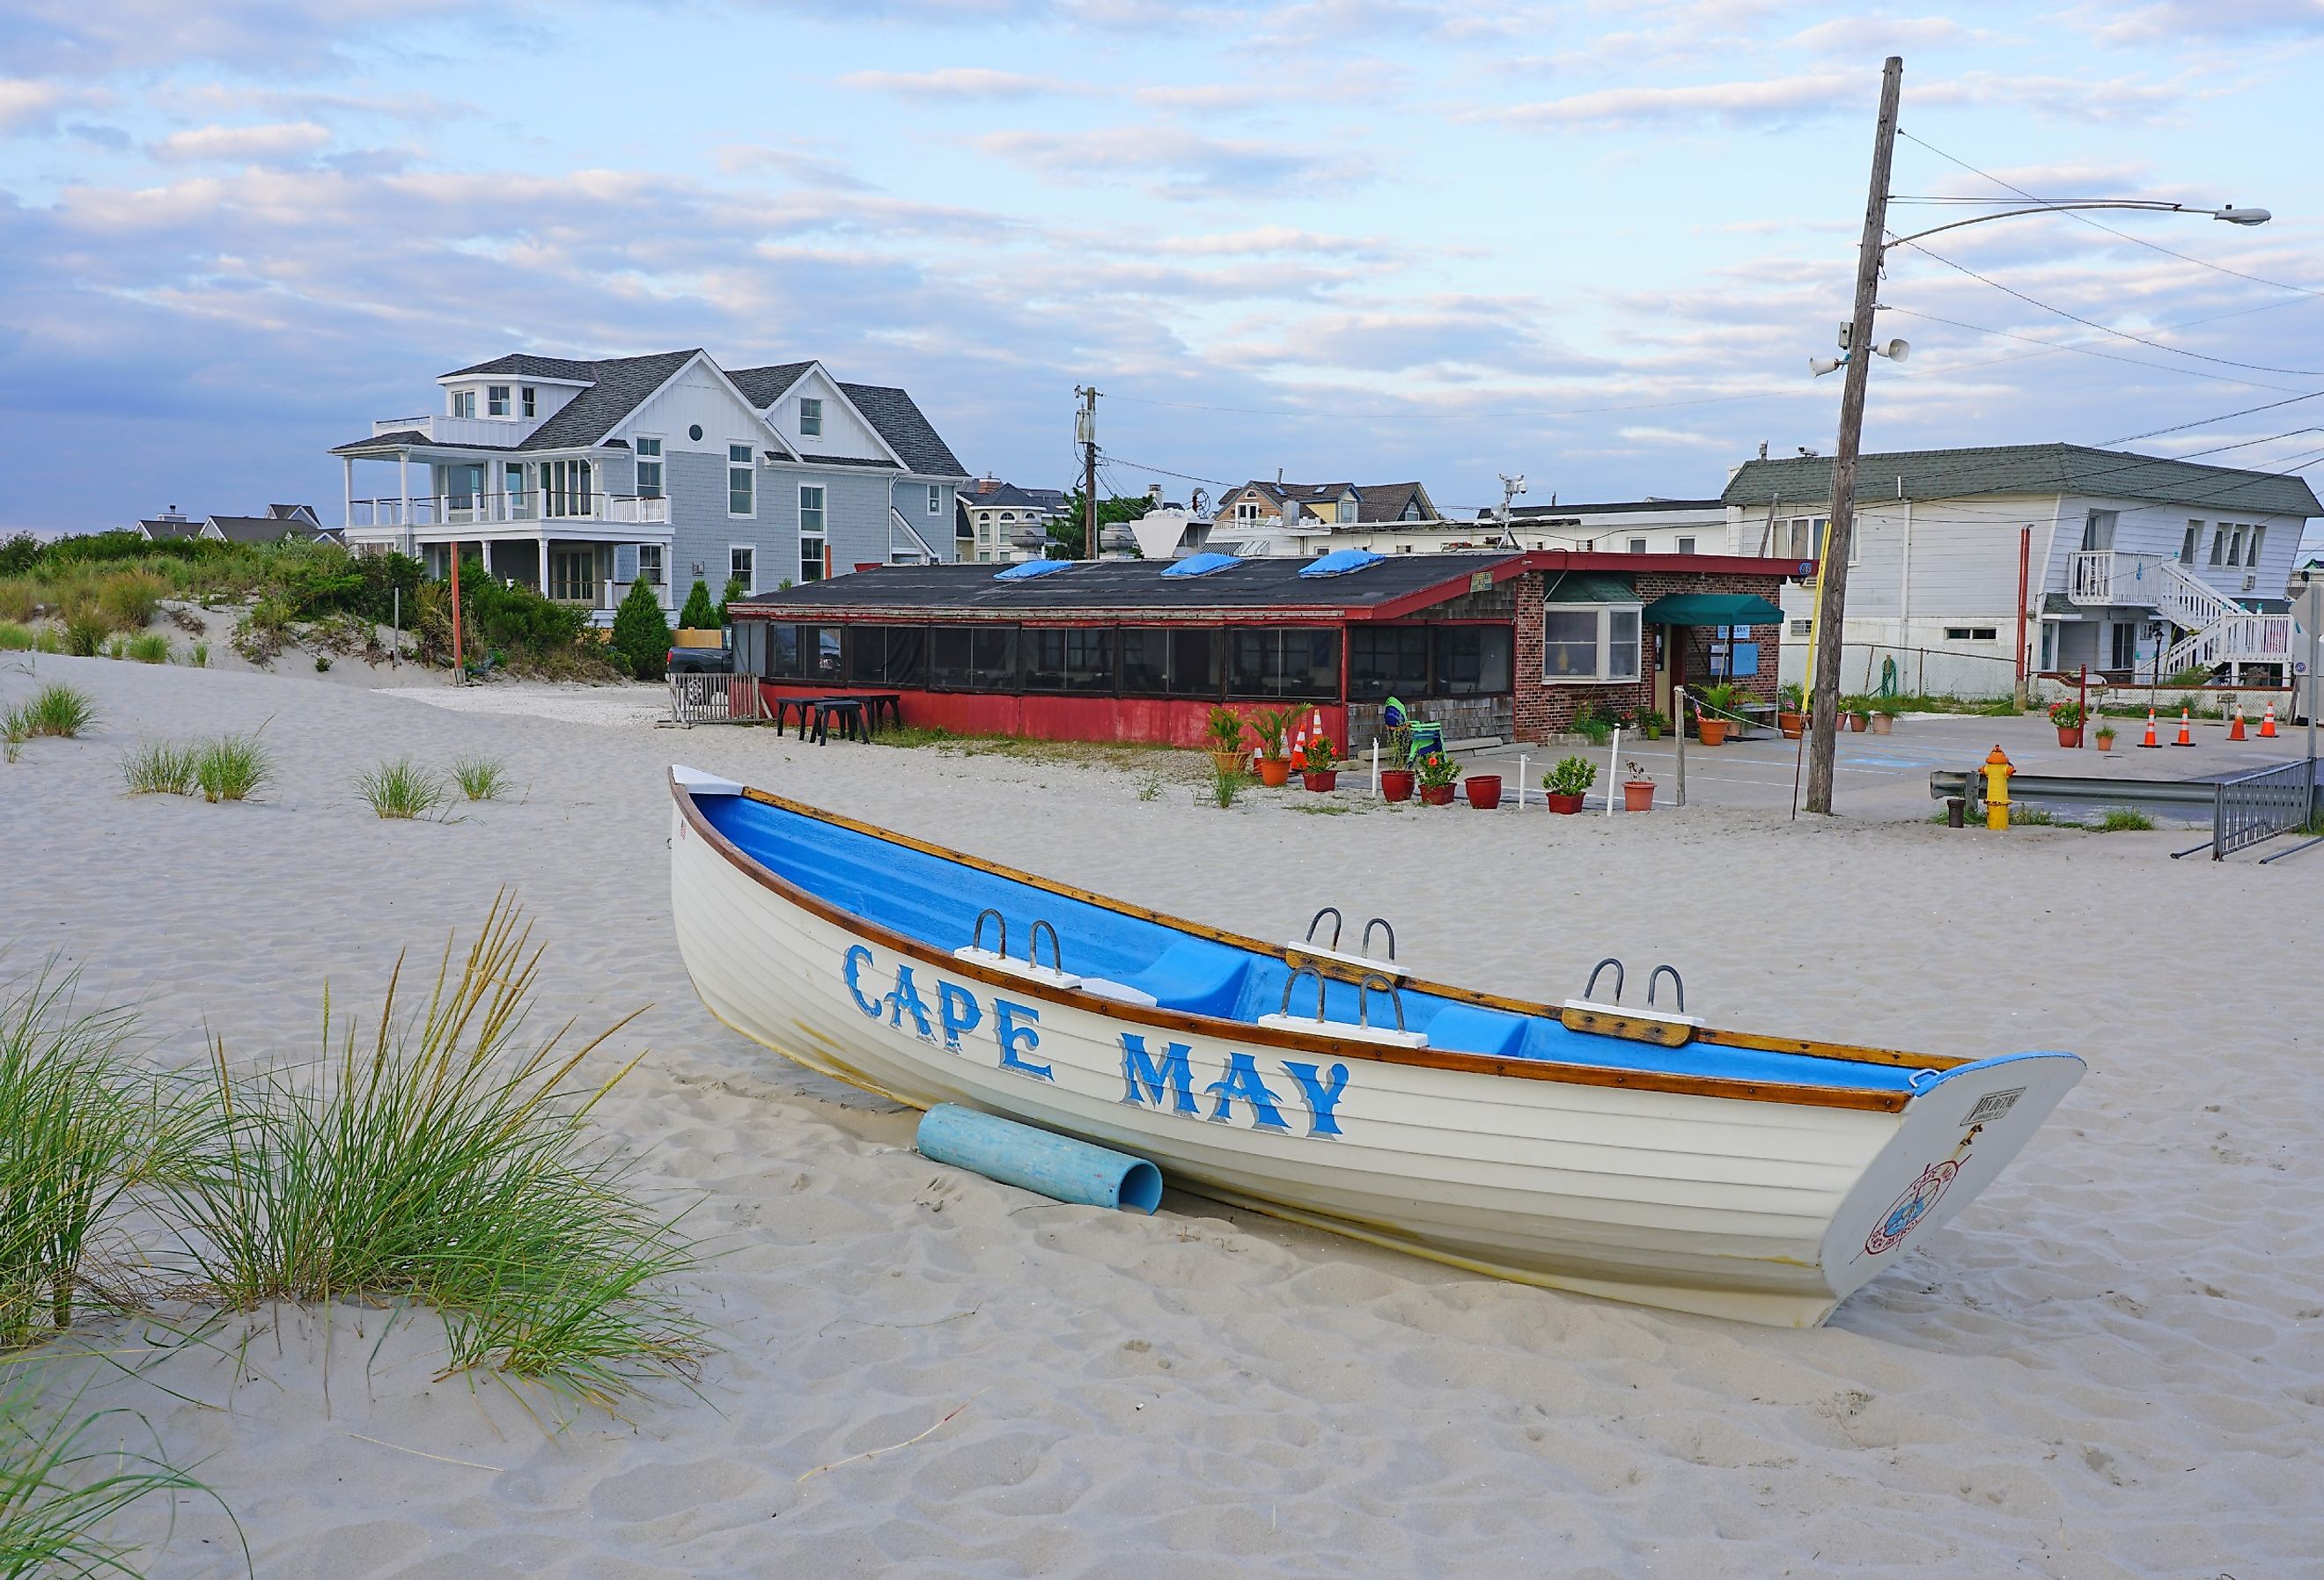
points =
(1584, 587)
(1713, 609)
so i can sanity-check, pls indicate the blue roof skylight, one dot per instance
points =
(1342, 562)
(1199, 564)
(1030, 569)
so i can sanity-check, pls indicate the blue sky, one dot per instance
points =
(1350, 239)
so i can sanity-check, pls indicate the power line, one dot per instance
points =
(1164, 471)
(2079, 349)
(2222, 417)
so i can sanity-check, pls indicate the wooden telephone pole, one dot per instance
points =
(1831, 565)
(1085, 432)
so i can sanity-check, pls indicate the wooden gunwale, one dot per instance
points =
(1859, 1098)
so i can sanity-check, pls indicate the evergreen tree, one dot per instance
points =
(736, 590)
(641, 635)
(698, 615)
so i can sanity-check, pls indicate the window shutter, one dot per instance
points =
(625, 562)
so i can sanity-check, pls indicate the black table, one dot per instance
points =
(850, 711)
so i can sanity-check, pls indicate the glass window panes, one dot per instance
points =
(650, 463)
(867, 655)
(496, 399)
(1623, 644)
(1067, 659)
(530, 404)
(741, 565)
(1298, 660)
(740, 473)
(935, 499)
(649, 563)
(1196, 659)
(1569, 643)
(810, 415)
(1386, 661)
(819, 648)
(811, 508)
(1145, 660)
(1472, 660)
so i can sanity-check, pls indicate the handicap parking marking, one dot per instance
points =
(1871, 762)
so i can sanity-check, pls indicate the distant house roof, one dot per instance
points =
(265, 529)
(1375, 501)
(617, 387)
(163, 529)
(1632, 507)
(295, 512)
(2027, 469)
(991, 492)
(523, 364)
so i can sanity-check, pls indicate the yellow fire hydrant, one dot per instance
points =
(1997, 772)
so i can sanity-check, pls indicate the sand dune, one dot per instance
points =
(2108, 1366)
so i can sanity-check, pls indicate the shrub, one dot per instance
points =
(260, 634)
(399, 789)
(480, 778)
(1571, 776)
(699, 614)
(157, 768)
(735, 591)
(130, 598)
(84, 632)
(322, 663)
(640, 643)
(18, 599)
(232, 768)
(150, 647)
(14, 638)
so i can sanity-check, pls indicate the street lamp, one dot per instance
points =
(1831, 563)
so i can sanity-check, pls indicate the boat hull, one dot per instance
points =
(1756, 1210)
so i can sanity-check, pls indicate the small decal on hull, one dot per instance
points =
(1920, 1198)
(1993, 1105)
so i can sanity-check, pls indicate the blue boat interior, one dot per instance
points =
(937, 901)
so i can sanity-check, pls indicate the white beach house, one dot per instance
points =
(2137, 566)
(581, 477)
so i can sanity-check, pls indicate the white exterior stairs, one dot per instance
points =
(2218, 629)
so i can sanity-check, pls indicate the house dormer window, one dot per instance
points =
(496, 399)
(527, 395)
(1246, 510)
(810, 416)
(1347, 510)
(464, 403)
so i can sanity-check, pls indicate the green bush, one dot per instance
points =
(19, 599)
(55, 709)
(480, 778)
(735, 591)
(399, 789)
(699, 614)
(150, 647)
(86, 629)
(130, 598)
(640, 642)
(14, 638)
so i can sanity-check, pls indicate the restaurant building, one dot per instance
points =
(1495, 646)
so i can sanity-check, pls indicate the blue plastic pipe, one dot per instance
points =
(1053, 1165)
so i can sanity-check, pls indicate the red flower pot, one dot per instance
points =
(1484, 791)
(2070, 738)
(1568, 805)
(1435, 795)
(1793, 724)
(1711, 732)
(1275, 772)
(1395, 784)
(1637, 795)
(1321, 779)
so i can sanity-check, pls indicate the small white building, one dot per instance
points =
(2139, 566)
(1000, 523)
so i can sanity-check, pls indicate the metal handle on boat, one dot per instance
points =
(1337, 922)
(1678, 982)
(1380, 922)
(1920, 1078)
(976, 938)
(1364, 999)
(1589, 988)
(1292, 981)
(1033, 948)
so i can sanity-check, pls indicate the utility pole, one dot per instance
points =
(1085, 433)
(1831, 565)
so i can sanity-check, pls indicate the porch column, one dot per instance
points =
(485, 547)
(541, 564)
(348, 462)
(403, 480)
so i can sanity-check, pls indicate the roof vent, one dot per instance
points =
(1342, 562)
(1200, 564)
(1030, 569)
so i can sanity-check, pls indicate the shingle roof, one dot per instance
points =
(984, 493)
(2028, 468)
(908, 433)
(1386, 502)
(865, 462)
(262, 529)
(524, 364)
(619, 386)
(763, 387)
(169, 527)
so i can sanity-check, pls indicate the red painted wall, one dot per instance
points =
(1046, 717)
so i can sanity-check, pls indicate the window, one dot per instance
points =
(1686, 545)
(743, 565)
(1347, 511)
(936, 500)
(741, 474)
(496, 401)
(513, 484)
(1801, 538)
(2251, 555)
(810, 416)
(888, 655)
(650, 468)
(1582, 643)
(812, 537)
(1802, 627)
(1638, 545)
(1197, 662)
(2098, 530)
(1972, 633)
(573, 575)
(2235, 548)
(1067, 659)
(649, 568)
(2187, 543)
(565, 488)
(973, 657)
(1145, 660)
(2122, 645)
(808, 652)
(1386, 661)
(1246, 510)
(1299, 660)
(2218, 542)
(526, 395)
(1474, 661)
(693, 433)
(464, 403)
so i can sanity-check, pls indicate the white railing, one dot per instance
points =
(491, 432)
(2238, 639)
(2146, 581)
(436, 511)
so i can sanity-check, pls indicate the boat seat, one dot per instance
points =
(1193, 976)
(1468, 1029)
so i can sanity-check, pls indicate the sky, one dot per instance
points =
(1347, 240)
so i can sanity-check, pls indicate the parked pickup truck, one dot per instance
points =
(701, 661)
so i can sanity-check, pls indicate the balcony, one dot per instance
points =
(497, 433)
(552, 511)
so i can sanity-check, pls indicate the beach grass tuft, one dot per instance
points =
(1226, 784)
(202, 655)
(159, 768)
(2125, 820)
(445, 1159)
(15, 637)
(150, 647)
(400, 789)
(480, 778)
(86, 630)
(232, 768)
(64, 1474)
(55, 709)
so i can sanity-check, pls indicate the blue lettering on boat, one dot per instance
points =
(956, 1008)
(1138, 1069)
(1005, 1027)
(1241, 1080)
(906, 996)
(858, 958)
(1321, 1096)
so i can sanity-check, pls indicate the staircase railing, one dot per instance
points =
(2218, 630)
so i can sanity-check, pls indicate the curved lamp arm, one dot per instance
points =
(2231, 214)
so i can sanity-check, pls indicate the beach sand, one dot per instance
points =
(2109, 1365)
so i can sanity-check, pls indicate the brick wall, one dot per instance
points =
(1543, 710)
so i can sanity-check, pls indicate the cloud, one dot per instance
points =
(956, 84)
(2175, 21)
(1183, 166)
(807, 169)
(1864, 37)
(1770, 100)
(2115, 100)
(31, 106)
(75, 37)
(286, 140)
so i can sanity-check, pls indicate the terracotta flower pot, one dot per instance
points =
(1567, 805)
(1711, 731)
(1227, 762)
(2070, 737)
(1882, 722)
(1793, 724)
(1275, 772)
(1856, 721)
(1395, 784)
(1484, 791)
(2105, 740)
(1321, 779)
(1435, 795)
(1637, 795)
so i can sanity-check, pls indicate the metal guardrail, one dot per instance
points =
(2255, 807)
(1969, 784)
(2248, 809)
(716, 699)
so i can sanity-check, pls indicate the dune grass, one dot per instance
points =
(200, 656)
(400, 789)
(159, 768)
(445, 1159)
(2125, 820)
(232, 768)
(86, 630)
(148, 647)
(15, 637)
(480, 778)
(55, 709)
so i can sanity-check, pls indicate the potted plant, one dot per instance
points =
(1272, 725)
(1484, 791)
(1652, 724)
(1397, 782)
(1322, 749)
(1885, 710)
(1791, 712)
(1638, 790)
(1438, 773)
(1224, 732)
(2069, 718)
(2106, 737)
(1713, 703)
(1855, 713)
(1567, 783)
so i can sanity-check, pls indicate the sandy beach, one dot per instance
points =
(2110, 1365)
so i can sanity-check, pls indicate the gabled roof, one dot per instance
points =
(763, 387)
(618, 386)
(2027, 469)
(991, 492)
(262, 529)
(1386, 502)
(299, 513)
(1304, 493)
(165, 527)
(908, 433)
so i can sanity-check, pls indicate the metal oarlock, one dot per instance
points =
(1364, 999)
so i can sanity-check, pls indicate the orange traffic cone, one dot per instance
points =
(2150, 740)
(2236, 730)
(2267, 724)
(1299, 751)
(2186, 736)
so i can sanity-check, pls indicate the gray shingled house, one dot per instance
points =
(581, 477)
